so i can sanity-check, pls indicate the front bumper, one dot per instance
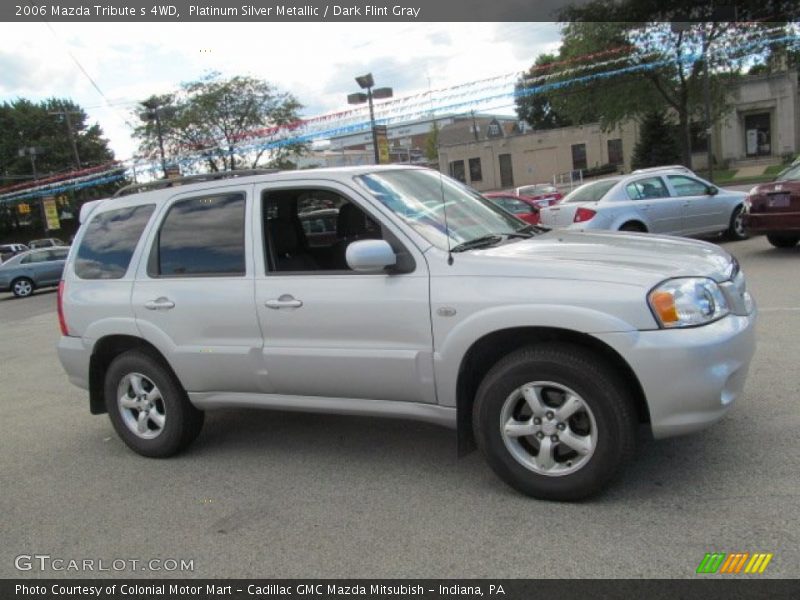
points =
(690, 377)
(74, 357)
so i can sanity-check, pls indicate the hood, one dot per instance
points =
(637, 259)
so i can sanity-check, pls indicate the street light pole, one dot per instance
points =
(66, 114)
(366, 82)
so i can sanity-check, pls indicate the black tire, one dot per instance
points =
(183, 421)
(633, 226)
(595, 382)
(22, 287)
(783, 241)
(736, 230)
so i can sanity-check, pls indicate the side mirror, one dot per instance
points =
(369, 256)
(712, 191)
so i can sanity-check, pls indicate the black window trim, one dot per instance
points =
(386, 233)
(153, 262)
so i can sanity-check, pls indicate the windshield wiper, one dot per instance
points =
(490, 240)
(480, 242)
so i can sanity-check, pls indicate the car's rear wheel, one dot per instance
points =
(148, 408)
(22, 287)
(783, 241)
(736, 230)
(633, 226)
(554, 422)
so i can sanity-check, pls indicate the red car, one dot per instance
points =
(774, 209)
(521, 207)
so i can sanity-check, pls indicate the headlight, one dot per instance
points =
(687, 301)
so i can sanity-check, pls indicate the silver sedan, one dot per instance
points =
(25, 272)
(667, 201)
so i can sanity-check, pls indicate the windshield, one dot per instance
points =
(791, 174)
(421, 198)
(591, 192)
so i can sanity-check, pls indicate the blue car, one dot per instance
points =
(23, 273)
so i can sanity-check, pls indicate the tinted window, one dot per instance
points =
(652, 187)
(591, 192)
(513, 205)
(109, 242)
(686, 186)
(35, 257)
(203, 236)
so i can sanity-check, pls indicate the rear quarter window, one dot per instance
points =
(110, 239)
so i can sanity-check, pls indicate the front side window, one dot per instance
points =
(645, 189)
(421, 198)
(686, 186)
(108, 244)
(202, 236)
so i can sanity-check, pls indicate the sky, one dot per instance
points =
(317, 62)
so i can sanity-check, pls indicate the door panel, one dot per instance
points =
(205, 323)
(337, 333)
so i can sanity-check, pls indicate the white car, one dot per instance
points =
(665, 201)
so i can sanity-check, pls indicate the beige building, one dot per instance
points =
(506, 157)
(762, 127)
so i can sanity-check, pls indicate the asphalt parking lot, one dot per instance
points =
(295, 495)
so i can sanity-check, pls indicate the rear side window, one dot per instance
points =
(110, 239)
(202, 236)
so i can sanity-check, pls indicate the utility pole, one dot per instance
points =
(33, 152)
(707, 94)
(153, 113)
(66, 114)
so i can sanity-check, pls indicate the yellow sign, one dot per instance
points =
(51, 213)
(23, 208)
(383, 144)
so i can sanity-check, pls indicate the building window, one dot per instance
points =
(457, 171)
(579, 156)
(475, 169)
(615, 152)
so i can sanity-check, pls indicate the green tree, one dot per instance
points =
(656, 145)
(533, 107)
(664, 66)
(25, 124)
(217, 118)
(432, 144)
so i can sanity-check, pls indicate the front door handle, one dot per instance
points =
(284, 301)
(159, 304)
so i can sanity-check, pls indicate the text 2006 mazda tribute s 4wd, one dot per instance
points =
(397, 292)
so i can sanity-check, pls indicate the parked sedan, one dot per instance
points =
(667, 201)
(9, 250)
(519, 206)
(545, 193)
(24, 273)
(45, 243)
(774, 209)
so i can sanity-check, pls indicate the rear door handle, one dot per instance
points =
(159, 304)
(284, 301)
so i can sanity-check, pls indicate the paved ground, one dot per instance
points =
(283, 495)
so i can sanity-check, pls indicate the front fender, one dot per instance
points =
(451, 350)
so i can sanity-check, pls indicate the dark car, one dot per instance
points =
(25, 272)
(520, 206)
(9, 250)
(774, 209)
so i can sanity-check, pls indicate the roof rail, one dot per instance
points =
(164, 183)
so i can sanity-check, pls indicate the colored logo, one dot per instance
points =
(734, 563)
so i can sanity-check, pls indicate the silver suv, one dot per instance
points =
(428, 302)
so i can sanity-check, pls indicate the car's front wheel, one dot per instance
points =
(148, 408)
(736, 230)
(22, 287)
(783, 241)
(554, 422)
